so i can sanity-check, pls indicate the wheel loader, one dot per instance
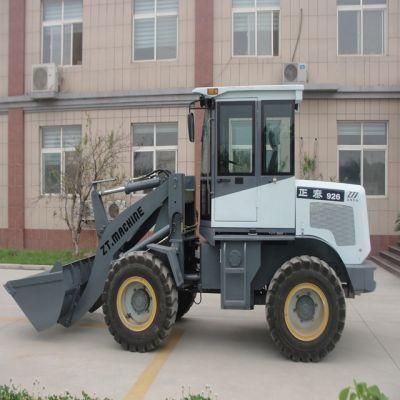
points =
(262, 237)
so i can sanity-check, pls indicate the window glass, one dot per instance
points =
(348, 2)
(144, 39)
(155, 146)
(71, 136)
(166, 160)
(349, 30)
(374, 2)
(349, 133)
(51, 172)
(374, 179)
(167, 6)
(166, 134)
(67, 44)
(264, 31)
(268, 3)
(73, 9)
(144, 6)
(350, 166)
(375, 133)
(51, 138)
(236, 139)
(52, 10)
(277, 137)
(362, 155)
(143, 135)
(243, 3)
(373, 31)
(143, 163)
(166, 37)
(244, 34)
(77, 44)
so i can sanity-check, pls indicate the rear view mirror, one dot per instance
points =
(190, 121)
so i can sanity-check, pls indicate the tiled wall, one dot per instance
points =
(317, 47)
(318, 120)
(43, 212)
(3, 48)
(3, 171)
(107, 51)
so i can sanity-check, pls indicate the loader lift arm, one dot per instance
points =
(76, 287)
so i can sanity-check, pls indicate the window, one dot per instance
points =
(361, 27)
(155, 29)
(277, 138)
(155, 146)
(362, 149)
(62, 32)
(255, 27)
(236, 139)
(58, 147)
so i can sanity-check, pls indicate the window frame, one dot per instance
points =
(255, 10)
(361, 7)
(154, 148)
(60, 22)
(368, 147)
(154, 15)
(54, 150)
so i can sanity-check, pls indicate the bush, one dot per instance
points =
(362, 391)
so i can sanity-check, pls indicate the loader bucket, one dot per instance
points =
(50, 297)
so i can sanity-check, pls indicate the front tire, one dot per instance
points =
(305, 309)
(140, 302)
(185, 302)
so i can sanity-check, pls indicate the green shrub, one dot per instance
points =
(362, 391)
(15, 393)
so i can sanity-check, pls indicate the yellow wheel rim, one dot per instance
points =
(306, 312)
(136, 303)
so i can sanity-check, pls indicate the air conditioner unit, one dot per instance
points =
(295, 73)
(45, 81)
(113, 209)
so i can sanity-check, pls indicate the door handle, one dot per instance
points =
(223, 180)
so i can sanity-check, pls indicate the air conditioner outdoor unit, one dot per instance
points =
(295, 73)
(45, 81)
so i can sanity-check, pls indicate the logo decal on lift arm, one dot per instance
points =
(122, 230)
(320, 194)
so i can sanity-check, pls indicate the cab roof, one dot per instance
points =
(260, 92)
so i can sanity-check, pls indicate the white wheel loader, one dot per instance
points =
(296, 247)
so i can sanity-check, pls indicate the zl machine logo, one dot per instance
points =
(352, 196)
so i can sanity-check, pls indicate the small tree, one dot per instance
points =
(96, 157)
(397, 223)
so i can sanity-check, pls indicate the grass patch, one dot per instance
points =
(14, 393)
(40, 257)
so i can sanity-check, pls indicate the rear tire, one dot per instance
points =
(185, 302)
(305, 309)
(140, 302)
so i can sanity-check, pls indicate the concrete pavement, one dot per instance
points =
(228, 350)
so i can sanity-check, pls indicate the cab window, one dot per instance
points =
(236, 139)
(278, 138)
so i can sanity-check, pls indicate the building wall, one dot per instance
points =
(107, 51)
(317, 129)
(317, 47)
(3, 172)
(3, 48)
(43, 212)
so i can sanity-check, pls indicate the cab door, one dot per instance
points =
(276, 192)
(235, 182)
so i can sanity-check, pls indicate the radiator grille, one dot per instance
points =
(338, 219)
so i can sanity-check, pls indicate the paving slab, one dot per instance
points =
(229, 350)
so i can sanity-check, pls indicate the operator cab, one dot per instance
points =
(247, 172)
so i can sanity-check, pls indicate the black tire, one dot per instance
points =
(300, 272)
(164, 304)
(185, 302)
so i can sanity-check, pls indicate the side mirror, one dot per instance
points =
(190, 121)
